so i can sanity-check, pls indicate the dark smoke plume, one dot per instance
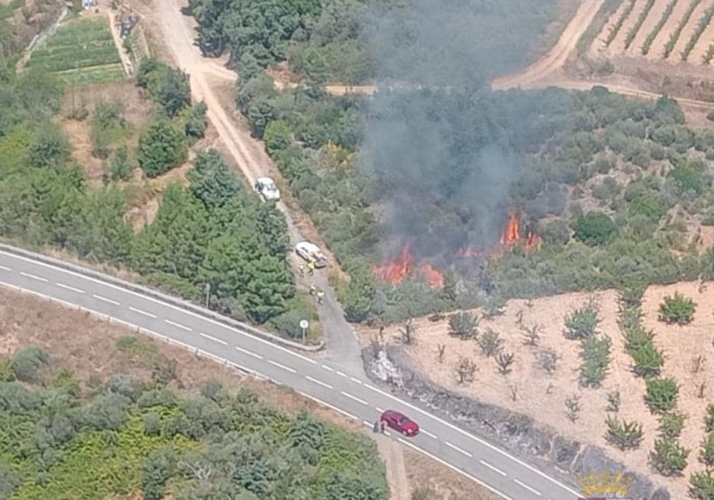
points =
(445, 150)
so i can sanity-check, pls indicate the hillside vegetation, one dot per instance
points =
(130, 435)
(214, 232)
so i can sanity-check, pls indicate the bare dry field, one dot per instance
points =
(542, 396)
(88, 347)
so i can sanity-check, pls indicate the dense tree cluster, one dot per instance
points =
(215, 232)
(131, 435)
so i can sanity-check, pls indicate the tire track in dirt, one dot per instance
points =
(556, 57)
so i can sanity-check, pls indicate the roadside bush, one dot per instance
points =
(671, 425)
(668, 457)
(195, 121)
(677, 309)
(709, 418)
(27, 362)
(120, 167)
(595, 228)
(662, 394)
(582, 322)
(622, 434)
(161, 148)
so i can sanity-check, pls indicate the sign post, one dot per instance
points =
(303, 325)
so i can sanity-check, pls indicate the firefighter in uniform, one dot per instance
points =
(313, 289)
(311, 267)
(301, 269)
(320, 296)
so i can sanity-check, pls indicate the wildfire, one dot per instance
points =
(394, 272)
(512, 232)
(509, 237)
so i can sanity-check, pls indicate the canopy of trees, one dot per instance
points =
(132, 435)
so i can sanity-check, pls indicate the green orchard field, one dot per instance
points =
(80, 53)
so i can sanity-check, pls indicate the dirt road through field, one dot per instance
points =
(557, 56)
(178, 34)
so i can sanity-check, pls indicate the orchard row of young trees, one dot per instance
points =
(129, 435)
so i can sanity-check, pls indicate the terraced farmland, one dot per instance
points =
(669, 30)
(80, 53)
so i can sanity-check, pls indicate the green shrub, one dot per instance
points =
(595, 228)
(595, 354)
(630, 294)
(668, 457)
(706, 455)
(462, 325)
(709, 418)
(662, 394)
(677, 309)
(671, 425)
(648, 360)
(120, 166)
(27, 362)
(582, 323)
(490, 342)
(161, 148)
(701, 485)
(623, 435)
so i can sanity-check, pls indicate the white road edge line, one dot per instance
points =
(287, 368)
(206, 336)
(67, 287)
(321, 402)
(34, 277)
(423, 431)
(139, 329)
(527, 487)
(458, 449)
(249, 353)
(455, 469)
(177, 325)
(160, 302)
(273, 345)
(142, 312)
(104, 299)
(328, 368)
(4, 268)
(495, 469)
(319, 382)
(478, 440)
(355, 398)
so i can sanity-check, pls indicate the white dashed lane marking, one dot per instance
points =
(104, 299)
(318, 382)
(428, 433)
(249, 353)
(34, 277)
(486, 464)
(536, 492)
(327, 368)
(139, 311)
(459, 449)
(4, 268)
(213, 338)
(356, 381)
(286, 368)
(354, 398)
(178, 325)
(341, 374)
(70, 288)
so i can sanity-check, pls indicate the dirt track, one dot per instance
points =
(177, 32)
(557, 56)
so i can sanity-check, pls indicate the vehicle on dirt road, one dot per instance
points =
(311, 253)
(266, 187)
(400, 423)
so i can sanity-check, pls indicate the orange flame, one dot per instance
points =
(395, 272)
(432, 275)
(532, 241)
(511, 234)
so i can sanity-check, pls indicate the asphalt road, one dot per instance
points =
(323, 380)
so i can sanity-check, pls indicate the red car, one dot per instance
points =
(400, 422)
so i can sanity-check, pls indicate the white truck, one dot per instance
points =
(311, 253)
